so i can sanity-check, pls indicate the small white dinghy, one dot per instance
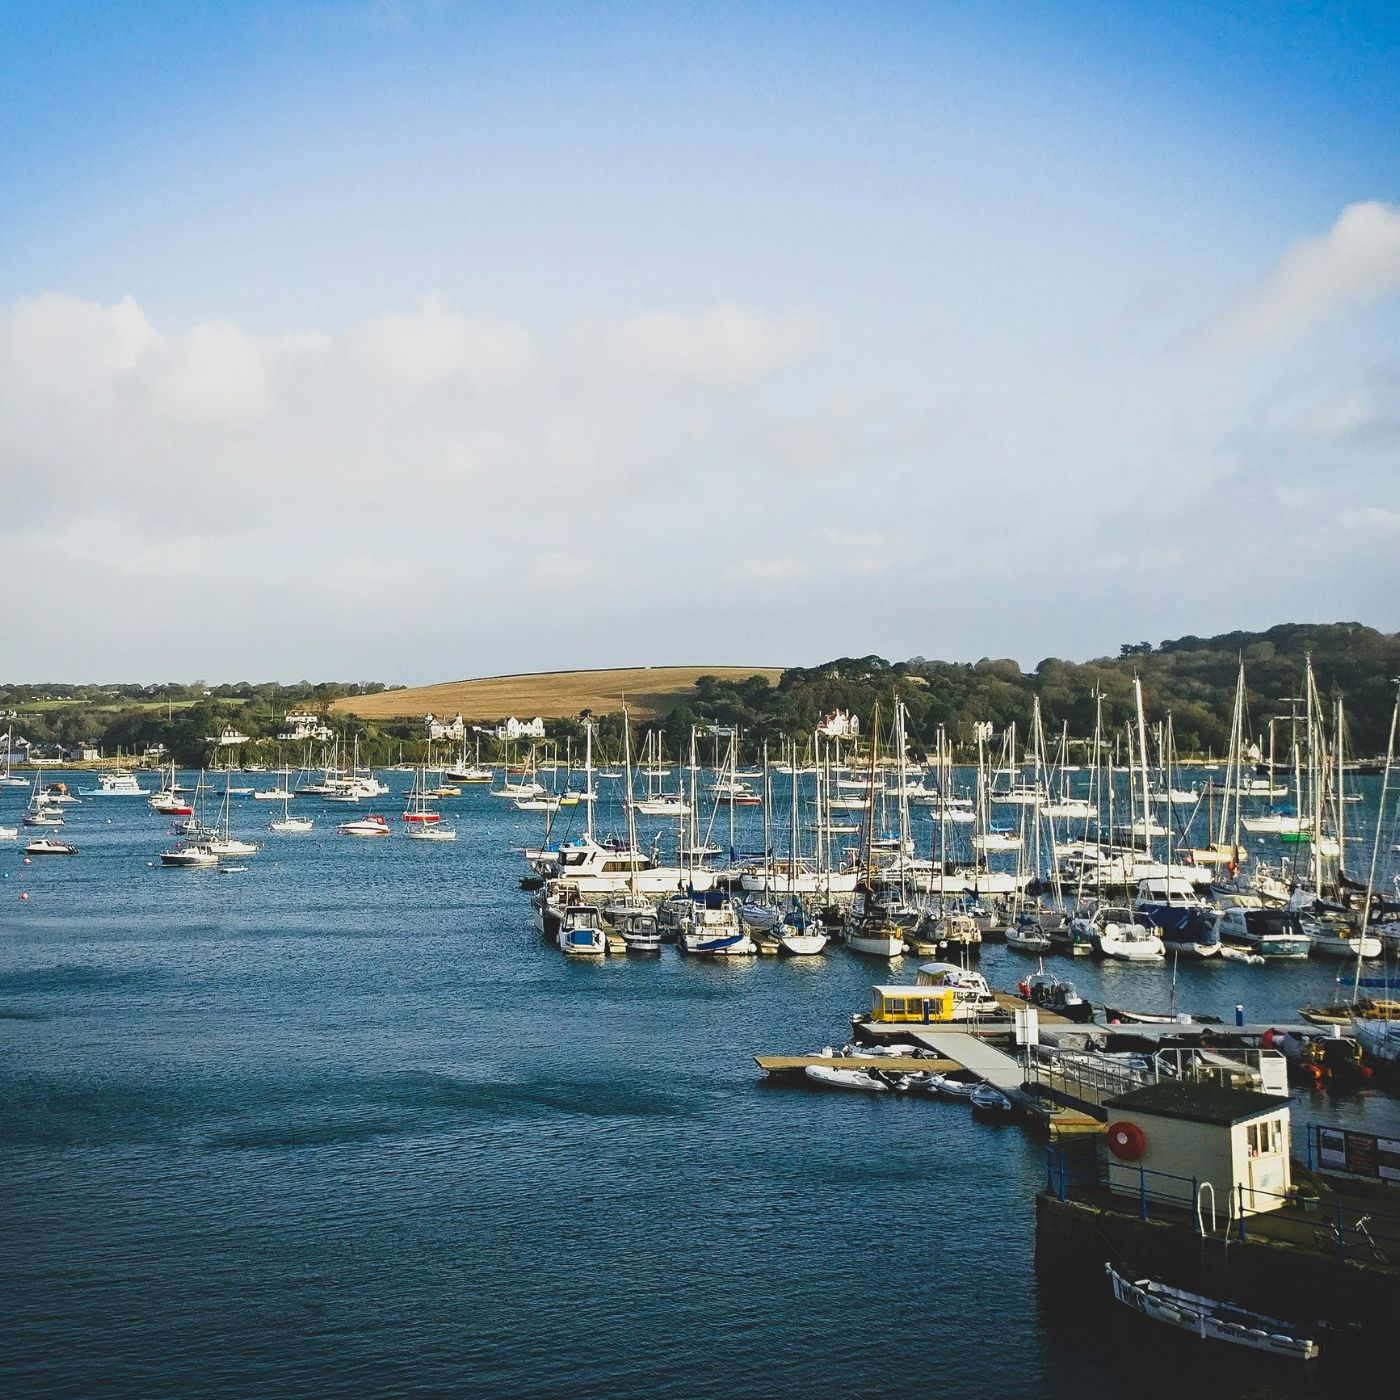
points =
(1210, 1319)
(989, 1100)
(832, 1078)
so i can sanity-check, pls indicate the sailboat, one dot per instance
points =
(287, 824)
(418, 809)
(170, 801)
(870, 927)
(225, 843)
(8, 779)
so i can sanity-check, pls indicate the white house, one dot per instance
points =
(306, 724)
(517, 729)
(840, 725)
(440, 729)
(228, 737)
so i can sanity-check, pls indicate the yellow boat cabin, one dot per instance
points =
(920, 1005)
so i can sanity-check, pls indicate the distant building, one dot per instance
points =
(519, 729)
(437, 729)
(228, 737)
(305, 724)
(88, 753)
(840, 725)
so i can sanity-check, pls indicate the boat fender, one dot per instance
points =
(1126, 1141)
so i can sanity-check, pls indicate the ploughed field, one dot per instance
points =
(646, 690)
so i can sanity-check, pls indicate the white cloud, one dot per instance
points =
(58, 346)
(215, 372)
(1370, 517)
(437, 346)
(1355, 263)
(727, 345)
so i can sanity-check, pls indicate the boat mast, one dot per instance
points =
(1376, 840)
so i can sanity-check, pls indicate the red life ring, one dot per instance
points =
(1126, 1141)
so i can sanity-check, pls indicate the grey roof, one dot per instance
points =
(1199, 1103)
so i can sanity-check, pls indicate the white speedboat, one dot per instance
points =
(1210, 1319)
(47, 846)
(194, 857)
(8, 833)
(372, 825)
(829, 1077)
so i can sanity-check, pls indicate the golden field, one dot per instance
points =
(647, 691)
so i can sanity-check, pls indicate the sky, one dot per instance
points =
(421, 340)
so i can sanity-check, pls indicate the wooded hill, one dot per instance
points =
(1193, 678)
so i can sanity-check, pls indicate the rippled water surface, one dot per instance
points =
(342, 1124)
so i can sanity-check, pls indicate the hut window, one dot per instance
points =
(896, 1006)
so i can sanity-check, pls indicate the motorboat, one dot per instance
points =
(830, 1077)
(193, 857)
(47, 846)
(1116, 933)
(714, 930)
(1210, 1319)
(581, 932)
(8, 833)
(1274, 934)
(1052, 993)
(372, 825)
(639, 932)
(57, 795)
(117, 784)
(1027, 936)
(599, 870)
(972, 997)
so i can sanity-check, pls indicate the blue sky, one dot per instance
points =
(427, 339)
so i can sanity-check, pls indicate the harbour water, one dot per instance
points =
(341, 1123)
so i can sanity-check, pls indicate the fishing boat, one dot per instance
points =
(829, 1077)
(1211, 1319)
(714, 930)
